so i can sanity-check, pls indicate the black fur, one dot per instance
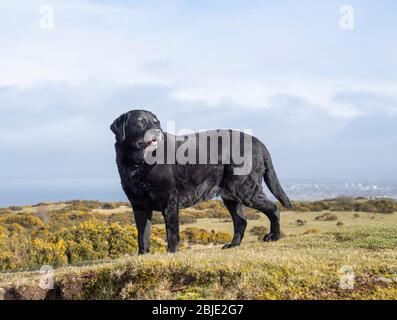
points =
(170, 187)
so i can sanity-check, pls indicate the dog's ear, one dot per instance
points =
(118, 126)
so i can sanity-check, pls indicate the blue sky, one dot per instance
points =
(323, 99)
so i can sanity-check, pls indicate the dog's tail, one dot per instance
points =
(272, 182)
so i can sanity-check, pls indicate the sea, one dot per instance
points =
(18, 192)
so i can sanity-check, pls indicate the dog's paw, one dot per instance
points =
(272, 237)
(229, 246)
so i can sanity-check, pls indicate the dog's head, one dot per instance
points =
(139, 129)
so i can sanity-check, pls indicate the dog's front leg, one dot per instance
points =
(172, 225)
(143, 221)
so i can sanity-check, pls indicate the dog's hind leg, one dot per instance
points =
(239, 222)
(143, 221)
(270, 209)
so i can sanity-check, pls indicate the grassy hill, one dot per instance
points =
(319, 248)
(297, 267)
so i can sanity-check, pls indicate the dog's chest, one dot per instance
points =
(144, 187)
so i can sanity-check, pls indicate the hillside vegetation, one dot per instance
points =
(93, 245)
(299, 267)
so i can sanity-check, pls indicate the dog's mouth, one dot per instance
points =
(154, 142)
(147, 143)
(150, 141)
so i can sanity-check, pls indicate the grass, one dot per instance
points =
(297, 267)
(307, 263)
(289, 222)
(371, 238)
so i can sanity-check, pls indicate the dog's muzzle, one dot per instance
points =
(152, 139)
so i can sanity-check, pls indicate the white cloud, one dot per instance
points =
(292, 84)
(126, 45)
(320, 93)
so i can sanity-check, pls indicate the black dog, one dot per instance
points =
(168, 187)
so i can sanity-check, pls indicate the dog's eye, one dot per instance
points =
(140, 121)
(156, 122)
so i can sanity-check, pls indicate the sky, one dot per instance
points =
(322, 98)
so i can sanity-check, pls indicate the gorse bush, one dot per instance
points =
(98, 240)
(25, 220)
(91, 240)
(15, 250)
(47, 253)
(202, 236)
